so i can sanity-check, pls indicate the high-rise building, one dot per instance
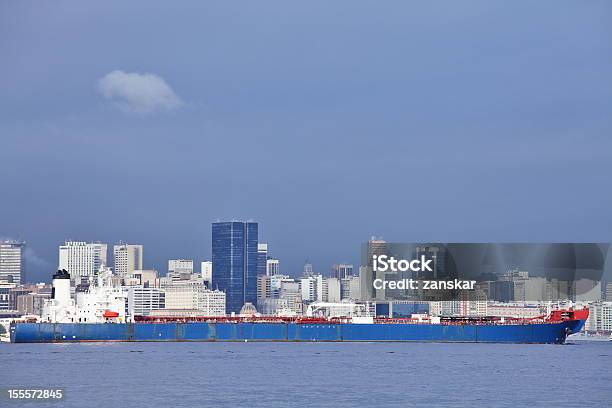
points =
(266, 265)
(272, 267)
(12, 262)
(438, 254)
(234, 258)
(82, 259)
(345, 288)
(333, 290)
(262, 258)
(206, 272)
(342, 271)
(322, 289)
(308, 287)
(375, 246)
(308, 271)
(127, 258)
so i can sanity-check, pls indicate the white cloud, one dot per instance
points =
(138, 93)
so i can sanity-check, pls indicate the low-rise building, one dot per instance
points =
(32, 303)
(5, 295)
(146, 277)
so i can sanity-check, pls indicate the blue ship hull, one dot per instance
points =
(551, 333)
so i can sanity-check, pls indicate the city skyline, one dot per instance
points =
(106, 255)
(40, 269)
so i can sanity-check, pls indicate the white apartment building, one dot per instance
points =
(12, 265)
(322, 289)
(142, 300)
(333, 290)
(195, 297)
(317, 288)
(308, 287)
(206, 272)
(600, 318)
(128, 258)
(82, 259)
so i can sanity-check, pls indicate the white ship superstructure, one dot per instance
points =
(102, 302)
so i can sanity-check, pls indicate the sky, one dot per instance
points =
(326, 122)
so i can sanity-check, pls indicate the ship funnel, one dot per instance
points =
(61, 287)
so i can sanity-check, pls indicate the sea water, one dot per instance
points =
(312, 374)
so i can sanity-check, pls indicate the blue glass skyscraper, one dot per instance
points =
(234, 261)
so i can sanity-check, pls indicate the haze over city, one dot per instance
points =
(456, 123)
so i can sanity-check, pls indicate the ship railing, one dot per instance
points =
(463, 321)
(234, 319)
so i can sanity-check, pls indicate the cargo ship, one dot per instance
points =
(99, 315)
(552, 329)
